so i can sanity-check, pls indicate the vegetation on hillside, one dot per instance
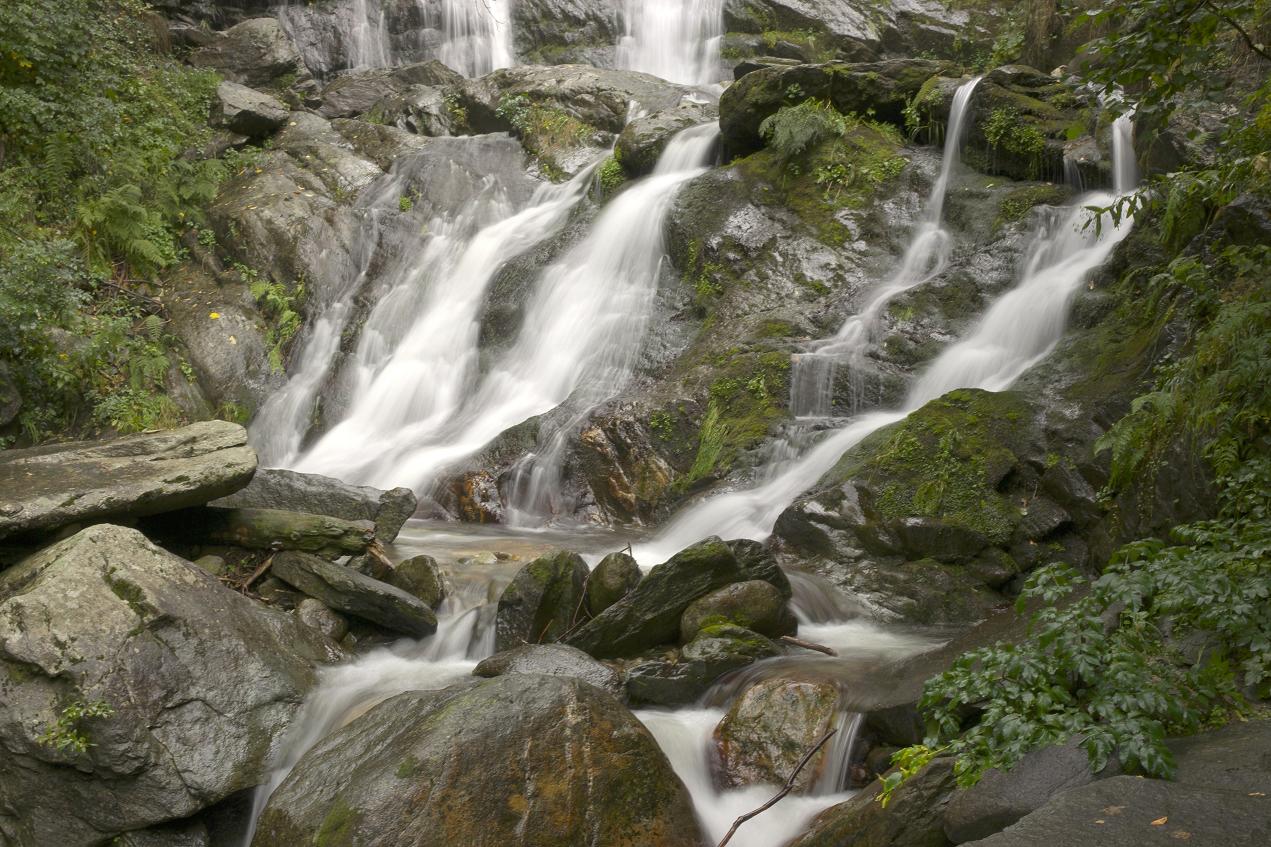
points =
(97, 183)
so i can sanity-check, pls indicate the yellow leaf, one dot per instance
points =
(214, 315)
(1160, 822)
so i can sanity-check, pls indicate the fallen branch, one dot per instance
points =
(808, 645)
(259, 572)
(783, 792)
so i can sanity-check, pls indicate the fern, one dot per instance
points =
(794, 130)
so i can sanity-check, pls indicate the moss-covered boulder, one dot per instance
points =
(754, 604)
(420, 577)
(681, 677)
(537, 761)
(650, 614)
(769, 729)
(558, 32)
(882, 89)
(345, 590)
(643, 139)
(613, 578)
(543, 601)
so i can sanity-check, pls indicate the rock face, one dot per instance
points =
(770, 727)
(354, 93)
(345, 590)
(537, 761)
(255, 52)
(59, 484)
(1121, 811)
(1000, 798)
(611, 580)
(883, 87)
(552, 660)
(643, 139)
(542, 601)
(754, 604)
(199, 682)
(247, 111)
(553, 32)
(650, 614)
(273, 488)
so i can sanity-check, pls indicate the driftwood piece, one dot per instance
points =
(783, 792)
(266, 529)
(808, 645)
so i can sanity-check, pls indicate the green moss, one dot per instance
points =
(408, 768)
(741, 410)
(338, 827)
(612, 176)
(816, 46)
(1021, 201)
(773, 328)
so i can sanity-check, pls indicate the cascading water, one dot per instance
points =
(812, 376)
(475, 35)
(1021, 328)
(579, 341)
(677, 40)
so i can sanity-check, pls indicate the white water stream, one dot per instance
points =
(677, 40)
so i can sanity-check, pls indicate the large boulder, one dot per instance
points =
(612, 579)
(650, 614)
(256, 52)
(194, 685)
(58, 484)
(552, 660)
(683, 676)
(247, 111)
(1236, 757)
(352, 593)
(642, 140)
(274, 488)
(883, 89)
(1127, 810)
(542, 602)
(769, 729)
(753, 604)
(355, 92)
(518, 760)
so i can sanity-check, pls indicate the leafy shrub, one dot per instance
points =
(794, 130)
(68, 731)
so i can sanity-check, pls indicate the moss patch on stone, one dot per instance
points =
(1021, 201)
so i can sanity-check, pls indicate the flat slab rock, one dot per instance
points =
(46, 487)
(352, 593)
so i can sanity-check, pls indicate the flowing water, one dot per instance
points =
(677, 40)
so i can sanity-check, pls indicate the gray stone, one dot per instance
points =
(542, 602)
(201, 683)
(643, 139)
(769, 729)
(214, 565)
(753, 604)
(1236, 757)
(520, 760)
(685, 676)
(173, 835)
(420, 577)
(345, 590)
(650, 614)
(58, 484)
(1001, 798)
(355, 92)
(315, 614)
(612, 579)
(274, 488)
(552, 660)
(1123, 811)
(246, 111)
(255, 52)
(553, 32)
(420, 109)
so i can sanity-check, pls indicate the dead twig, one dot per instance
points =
(783, 792)
(808, 645)
(258, 573)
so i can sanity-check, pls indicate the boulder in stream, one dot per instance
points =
(518, 761)
(683, 676)
(753, 604)
(611, 580)
(542, 602)
(420, 577)
(54, 485)
(345, 590)
(191, 684)
(552, 660)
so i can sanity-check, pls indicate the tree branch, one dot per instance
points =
(783, 792)
(1238, 28)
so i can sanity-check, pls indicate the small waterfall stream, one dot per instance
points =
(678, 40)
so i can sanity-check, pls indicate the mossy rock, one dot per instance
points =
(611, 580)
(542, 601)
(754, 604)
(684, 676)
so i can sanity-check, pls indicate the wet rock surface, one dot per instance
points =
(198, 683)
(552, 660)
(256, 52)
(769, 729)
(544, 601)
(59, 484)
(345, 590)
(681, 677)
(563, 763)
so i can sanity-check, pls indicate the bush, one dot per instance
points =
(794, 130)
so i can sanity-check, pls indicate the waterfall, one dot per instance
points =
(926, 257)
(579, 341)
(1019, 330)
(677, 40)
(475, 35)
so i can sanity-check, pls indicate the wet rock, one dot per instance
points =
(255, 52)
(561, 763)
(754, 605)
(247, 111)
(1001, 798)
(684, 676)
(612, 579)
(552, 660)
(626, 476)
(274, 488)
(345, 590)
(769, 729)
(1121, 812)
(199, 682)
(542, 602)
(315, 614)
(643, 139)
(555, 32)
(911, 818)
(650, 614)
(421, 109)
(355, 92)
(58, 484)
(420, 577)
(883, 87)
(263, 529)
(173, 835)
(1234, 758)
